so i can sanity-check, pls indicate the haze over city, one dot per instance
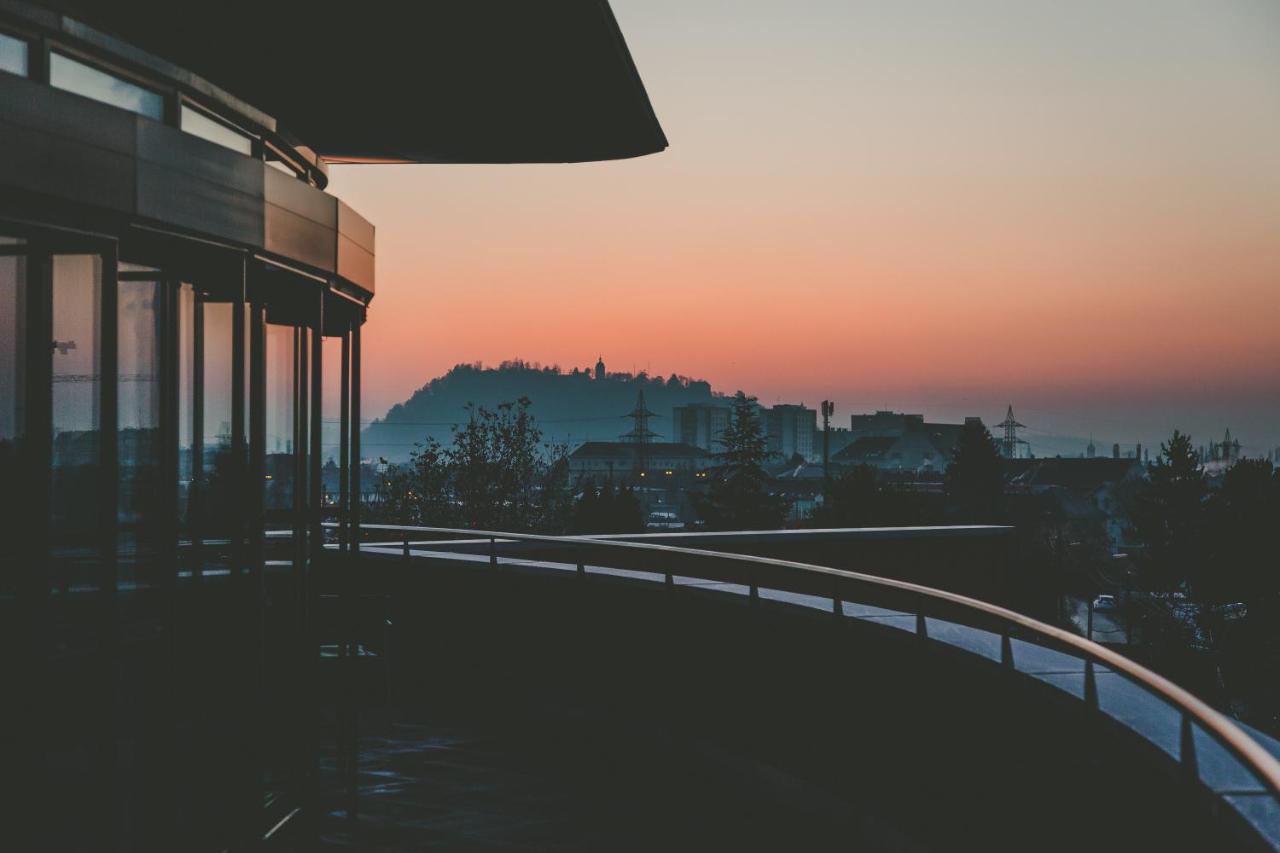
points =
(922, 206)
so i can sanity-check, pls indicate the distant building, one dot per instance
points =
(838, 439)
(790, 430)
(620, 461)
(600, 374)
(701, 424)
(893, 441)
(882, 423)
(1227, 450)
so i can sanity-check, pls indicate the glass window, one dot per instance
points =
(13, 55)
(67, 73)
(282, 369)
(13, 347)
(74, 504)
(142, 496)
(198, 124)
(186, 406)
(218, 487)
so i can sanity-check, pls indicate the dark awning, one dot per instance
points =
(434, 81)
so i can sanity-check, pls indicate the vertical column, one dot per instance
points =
(316, 554)
(349, 583)
(32, 785)
(195, 504)
(255, 588)
(238, 440)
(108, 713)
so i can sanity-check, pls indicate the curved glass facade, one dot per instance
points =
(174, 315)
(160, 448)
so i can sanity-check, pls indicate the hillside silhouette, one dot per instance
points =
(570, 407)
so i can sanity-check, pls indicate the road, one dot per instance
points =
(1107, 627)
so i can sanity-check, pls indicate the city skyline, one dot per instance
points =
(902, 206)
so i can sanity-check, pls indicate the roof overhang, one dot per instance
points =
(433, 81)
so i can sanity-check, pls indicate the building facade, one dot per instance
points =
(790, 430)
(627, 462)
(701, 424)
(181, 305)
(903, 443)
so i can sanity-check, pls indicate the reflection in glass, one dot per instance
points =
(141, 507)
(218, 495)
(186, 405)
(74, 503)
(198, 124)
(331, 432)
(73, 76)
(13, 347)
(13, 55)
(280, 460)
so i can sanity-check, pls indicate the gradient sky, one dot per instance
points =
(1073, 207)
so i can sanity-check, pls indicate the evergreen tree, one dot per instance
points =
(628, 515)
(1168, 515)
(738, 497)
(1242, 517)
(974, 481)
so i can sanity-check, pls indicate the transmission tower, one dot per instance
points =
(1009, 444)
(640, 434)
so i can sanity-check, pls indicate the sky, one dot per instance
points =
(924, 205)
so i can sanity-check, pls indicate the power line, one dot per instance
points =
(464, 423)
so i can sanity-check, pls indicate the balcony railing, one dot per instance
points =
(1204, 747)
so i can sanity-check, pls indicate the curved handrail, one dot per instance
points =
(1255, 758)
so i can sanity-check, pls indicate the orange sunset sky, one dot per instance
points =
(934, 206)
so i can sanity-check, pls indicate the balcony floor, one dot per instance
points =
(430, 785)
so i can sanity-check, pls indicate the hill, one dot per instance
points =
(571, 407)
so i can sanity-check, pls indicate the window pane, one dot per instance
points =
(281, 367)
(332, 425)
(198, 124)
(13, 55)
(142, 493)
(218, 496)
(13, 345)
(77, 282)
(67, 73)
(13, 365)
(186, 406)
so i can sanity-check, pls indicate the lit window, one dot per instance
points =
(73, 76)
(13, 55)
(198, 124)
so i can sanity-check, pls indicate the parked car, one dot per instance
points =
(1104, 602)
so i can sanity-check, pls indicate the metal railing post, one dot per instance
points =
(1187, 751)
(406, 546)
(493, 551)
(1090, 687)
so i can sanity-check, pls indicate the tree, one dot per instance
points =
(496, 475)
(1242, 517)
(417, 493)
(974, 482)
(738, 497)
(851, 500)
(1168, 515)
(606, 510)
